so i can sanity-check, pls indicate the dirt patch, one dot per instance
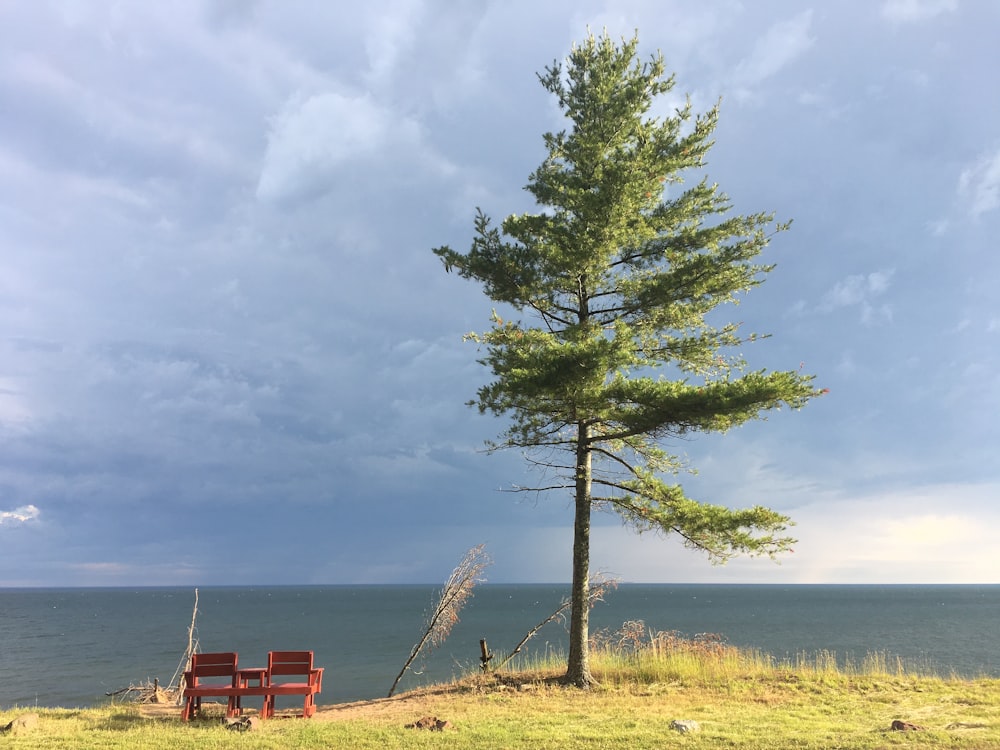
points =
(402, 708)
(384, 708)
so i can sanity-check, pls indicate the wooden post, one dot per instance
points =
(486, 655)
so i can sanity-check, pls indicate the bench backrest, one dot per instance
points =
(212, 665)
(290, 662)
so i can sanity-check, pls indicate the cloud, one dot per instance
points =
(912, 11)
(217, 295)
(930, 530)
(901, 536)
(230, 13)
(904, 535)
(22, 514)
(939, 227)
(390, 37)
(14, 409)
(312, 138)
(860, 290)
(979, 185)
(783, 43)
(315, 142)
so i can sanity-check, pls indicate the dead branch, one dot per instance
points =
(145, 692)
(599, 586)
(151, 692)
(192, 648)
(457, 590)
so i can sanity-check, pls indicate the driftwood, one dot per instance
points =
(152, 692)
(146, 692)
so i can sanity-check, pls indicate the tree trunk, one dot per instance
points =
(578, 666)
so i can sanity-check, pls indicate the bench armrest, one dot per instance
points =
(316, 678)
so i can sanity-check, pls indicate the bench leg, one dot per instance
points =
(191, 707)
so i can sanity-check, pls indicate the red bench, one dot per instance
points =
(271, 682)
(284, 664)
(219, 665)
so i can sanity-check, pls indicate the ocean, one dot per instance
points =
(70, 647)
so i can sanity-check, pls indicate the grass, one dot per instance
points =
(742, 699)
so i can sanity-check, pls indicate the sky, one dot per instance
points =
(228, 355)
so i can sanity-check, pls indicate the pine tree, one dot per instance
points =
(616, 277)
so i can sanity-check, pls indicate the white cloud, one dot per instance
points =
(878, 281)
(315, 140)
(392, 35)
(873, 314)
(860, 290)
(899, 537)
(939, 227)
(23, 514)
(783, 43)
(911, 11)
(932, 534)
(312, 138)
(979, 185)
(929, 530)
